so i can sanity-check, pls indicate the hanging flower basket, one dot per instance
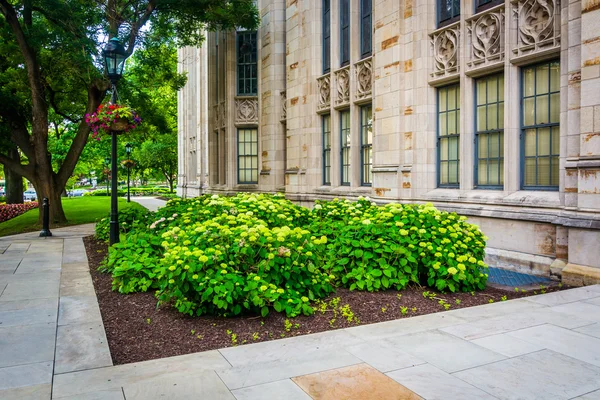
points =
(110, 118)
(128, 163)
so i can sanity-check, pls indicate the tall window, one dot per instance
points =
(448, 11)
(345, 146)
(326, 36)
(366, 145)
(365, 28)
(540, 124)
(448, 135)
(326, 149)
(485, 4)
(489, 135)
(247, 155)
(344, 32)
(246, 64)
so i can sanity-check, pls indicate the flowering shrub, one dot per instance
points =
(128, 219)
(9, 211)
(256, 252)
(106, 114)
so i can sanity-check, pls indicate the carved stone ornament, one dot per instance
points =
(486, 37)
(324, 86)
(445, 44)
(342, 78)
(283, 95)
(246, 111)
(538, 25)
(364, 78)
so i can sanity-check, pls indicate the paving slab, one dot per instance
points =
(77, 283)
(27, 344)
(78, 309)
(48, 277)
(595, 395)
(80, 347)
(507, 323)
(20, 290)
(595, 301)
(566, 296)
(28, 304)
(541, 375)
(113, 394)
(583, 310)
(357, 382)
(594, 288)
(496, 309)
(434, 384)
(507, 345)
(41, 263)
(271, 371)
(28, 316)
(36, 392)
(284, 389)
(16, 247)
(26, 375)
(9, 266)
(590, 330)
(110, 378)
(203, 385)
(383, 357)
(564, 341)
(404, 326)
(288, 348)
(444, 351)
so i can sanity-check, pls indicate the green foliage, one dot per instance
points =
(254, 252)
(129, 218)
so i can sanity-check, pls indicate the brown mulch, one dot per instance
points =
(138, 331)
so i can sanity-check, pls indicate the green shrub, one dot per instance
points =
(129, 219)
(253, 252)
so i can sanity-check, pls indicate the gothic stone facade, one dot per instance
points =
(484, 107)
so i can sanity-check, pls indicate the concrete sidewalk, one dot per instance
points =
(52, 342)
(151, 203)
(50, 322)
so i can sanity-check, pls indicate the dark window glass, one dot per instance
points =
(326, 149)
(344, 32)
(489, 131)
(247, 71)
(448, 136)
(326, 36)
(365, 28)
(448, 11)
(540, 133)
(345, 146)
(248, 155)
(366, 145)
(482, 5)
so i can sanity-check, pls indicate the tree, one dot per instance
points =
(161, 155)
(53, 47)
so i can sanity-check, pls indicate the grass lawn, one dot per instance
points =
(79, 210)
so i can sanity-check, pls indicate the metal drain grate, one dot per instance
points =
(505, 277)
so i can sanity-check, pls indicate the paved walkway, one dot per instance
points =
(151, 203)
(52, 343)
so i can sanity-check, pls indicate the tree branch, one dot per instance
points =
(52, 99)
(135, 27)
(24, 170)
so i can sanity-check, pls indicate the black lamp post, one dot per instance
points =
(128, 151)
(114, 60)
(106, 164)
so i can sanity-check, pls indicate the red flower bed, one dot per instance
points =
(9, 211)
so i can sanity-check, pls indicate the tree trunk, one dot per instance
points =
(14, 181)
(46, 187)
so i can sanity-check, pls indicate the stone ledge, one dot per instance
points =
(580, 275)
(520, 262)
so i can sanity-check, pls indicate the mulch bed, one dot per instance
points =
(138, 331)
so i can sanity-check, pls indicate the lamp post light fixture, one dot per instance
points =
(128, 151)
(106, 164)
(114, 60)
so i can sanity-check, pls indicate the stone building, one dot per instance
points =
(487, 108)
